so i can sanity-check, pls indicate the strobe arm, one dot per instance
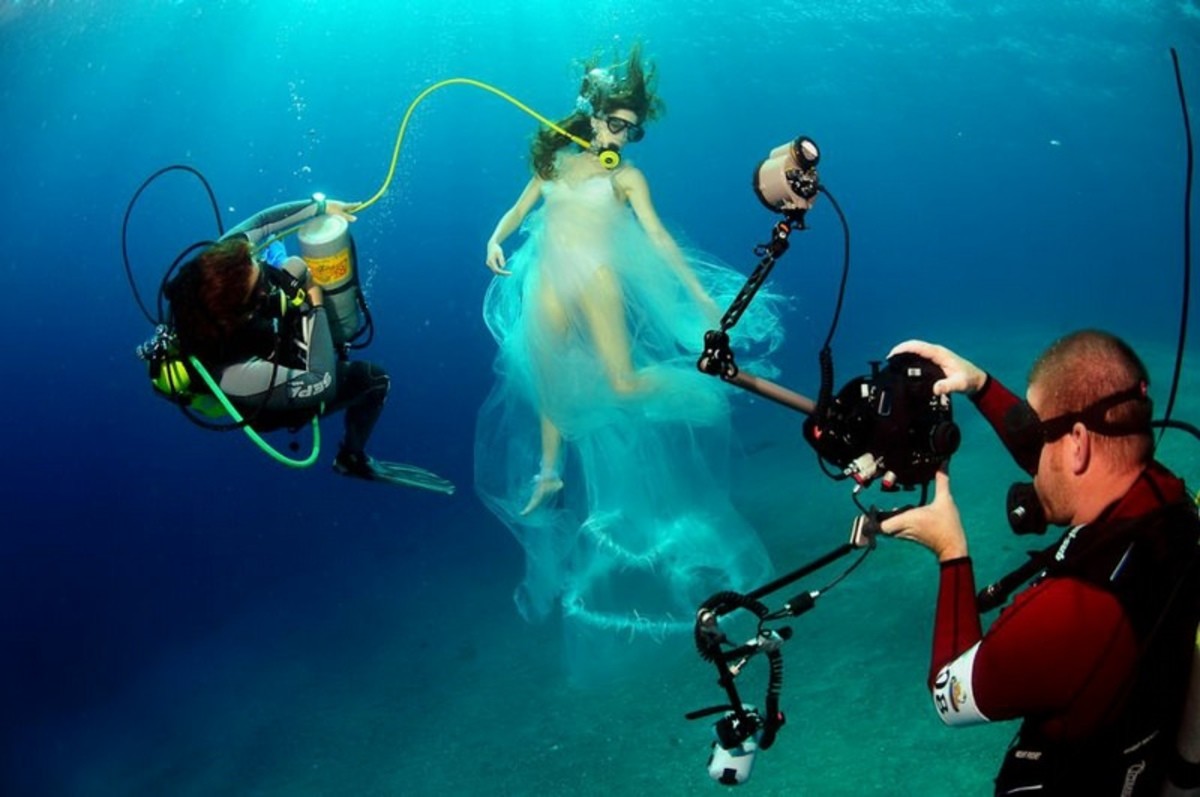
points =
(711, 641)
(717, 359)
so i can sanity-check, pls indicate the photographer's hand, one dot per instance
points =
(937, 526)
(962, 376)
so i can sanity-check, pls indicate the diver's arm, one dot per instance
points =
(289, 388)
(637, 191)
(287, 216)
(267, 222)
(510, 222)
(1061, 647)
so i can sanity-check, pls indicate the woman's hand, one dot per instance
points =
(496, 261)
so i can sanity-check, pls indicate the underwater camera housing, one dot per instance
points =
(888, 424)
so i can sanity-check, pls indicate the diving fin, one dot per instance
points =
(371, 469)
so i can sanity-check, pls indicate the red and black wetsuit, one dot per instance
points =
(1094, 656)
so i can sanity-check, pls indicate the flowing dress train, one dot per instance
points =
(644, 529)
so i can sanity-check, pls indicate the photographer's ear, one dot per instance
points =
(1080, 441)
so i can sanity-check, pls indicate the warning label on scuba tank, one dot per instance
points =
(330, 271)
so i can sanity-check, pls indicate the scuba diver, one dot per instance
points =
(277, 342)
(1094, 656)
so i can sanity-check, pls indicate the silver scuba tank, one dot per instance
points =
(326, 245)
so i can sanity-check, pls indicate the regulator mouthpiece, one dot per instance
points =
(610, 157)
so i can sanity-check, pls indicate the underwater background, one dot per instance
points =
(182, 616)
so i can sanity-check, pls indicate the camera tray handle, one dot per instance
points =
(717, 358)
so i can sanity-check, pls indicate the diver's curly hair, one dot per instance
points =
(628, 85)
(208, 296)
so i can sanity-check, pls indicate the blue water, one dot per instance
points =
(182, 616)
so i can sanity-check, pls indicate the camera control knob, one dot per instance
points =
(944, 438)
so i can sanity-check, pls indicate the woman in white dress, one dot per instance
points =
(600, 317)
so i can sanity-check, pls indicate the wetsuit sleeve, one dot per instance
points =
(956, 623)
(1061, 646)
(283, 388)
(275, 220)
(995, 401)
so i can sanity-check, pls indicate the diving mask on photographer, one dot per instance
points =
(1027, 434)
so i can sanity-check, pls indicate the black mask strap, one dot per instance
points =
(1026, 433)
(1092, 417)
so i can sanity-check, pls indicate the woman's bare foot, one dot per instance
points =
(544, 486)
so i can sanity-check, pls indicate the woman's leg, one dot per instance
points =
(548, 481)
(603, 308)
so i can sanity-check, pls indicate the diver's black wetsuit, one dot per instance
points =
(293, 373)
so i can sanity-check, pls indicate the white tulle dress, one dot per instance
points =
(644, 529)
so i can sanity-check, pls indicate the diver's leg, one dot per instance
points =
(548, 481)
(362, 390)
(603, 308)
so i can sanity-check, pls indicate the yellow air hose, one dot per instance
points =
(391, 173)
(457, 81)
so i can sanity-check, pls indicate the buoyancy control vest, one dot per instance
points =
(1151, 564)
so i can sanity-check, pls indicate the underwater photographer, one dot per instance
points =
(1094, 656)
(1099, 655)
(276, 340)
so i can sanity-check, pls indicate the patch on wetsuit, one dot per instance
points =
(952, 694)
